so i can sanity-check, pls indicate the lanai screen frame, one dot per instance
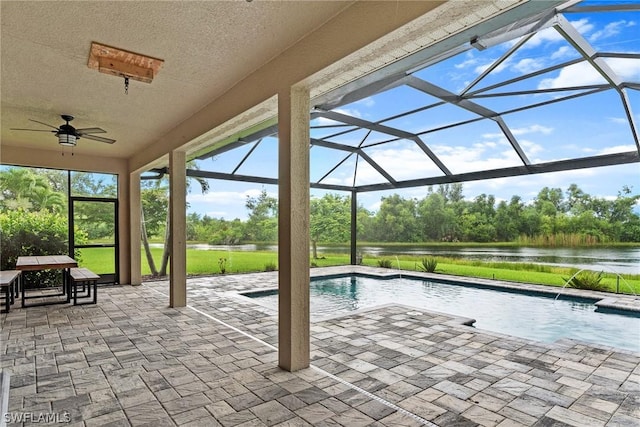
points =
(402, 74)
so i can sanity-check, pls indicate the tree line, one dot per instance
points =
(443, 215)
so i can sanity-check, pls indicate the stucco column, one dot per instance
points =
(135, 229)
(293, 229)
(178, 224)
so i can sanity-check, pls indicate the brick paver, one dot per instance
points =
(130, 360)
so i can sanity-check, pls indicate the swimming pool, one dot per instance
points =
(519, 314)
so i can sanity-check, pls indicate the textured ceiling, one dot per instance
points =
(207, 48)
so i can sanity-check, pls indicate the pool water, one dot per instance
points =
(518, 314)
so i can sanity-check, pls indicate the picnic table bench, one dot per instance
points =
(10, 285)
(86, 278)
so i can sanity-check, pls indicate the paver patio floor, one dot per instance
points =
(131, 360)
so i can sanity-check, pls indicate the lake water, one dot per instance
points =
(524, 315)
(616, 260)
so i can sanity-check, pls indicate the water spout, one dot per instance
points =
(567, 282)
(618, 277)
(399, 271)
(610, 271)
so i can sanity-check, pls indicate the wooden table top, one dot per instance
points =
(46, 262)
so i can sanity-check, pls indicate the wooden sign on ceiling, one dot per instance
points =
(123, 63)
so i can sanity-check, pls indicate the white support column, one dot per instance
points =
(135, 228)
(178, 224)
(293, 229)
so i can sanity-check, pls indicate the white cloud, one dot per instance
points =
(460, 159)
(367, 102)
(610, 30)
(548, 35)
(217, 214)
(563, 52)
(619, 120)
(469, 61)
(617, 149)
(528, 65)
(375, 206)
(530, 147)
(225, 198)
(582, 25)
(584, 74)
(532, 129)
(482, 68)
(400, 163)
(349, 111)
(487, 144)
(528, 186)
(551, 35)
(521, 131)
(495, 135)
(627, 69)
(573, 75)
(323, 121)
(225, 204)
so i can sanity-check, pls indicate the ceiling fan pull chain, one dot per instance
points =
(126, 85)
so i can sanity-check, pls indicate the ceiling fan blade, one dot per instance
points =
(85, 131)
(36, 130)
(99, 138)
(42, 123)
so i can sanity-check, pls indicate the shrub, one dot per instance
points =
(428, 264)
(270, 266)
(589, 280)
(32, 234)
(385, 263)
(222, 263)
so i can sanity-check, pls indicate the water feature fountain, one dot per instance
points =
(618, 277)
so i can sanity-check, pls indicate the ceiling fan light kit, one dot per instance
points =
(123, 63)
(68, 135)
(67, 140)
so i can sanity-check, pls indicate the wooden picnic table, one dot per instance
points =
(47, 262)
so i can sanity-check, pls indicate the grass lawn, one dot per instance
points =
(201, 262)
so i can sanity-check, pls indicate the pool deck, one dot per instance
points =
(131, 360)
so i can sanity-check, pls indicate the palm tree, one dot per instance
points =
(26, 189)
(204, 187)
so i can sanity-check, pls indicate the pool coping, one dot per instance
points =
(621, 303)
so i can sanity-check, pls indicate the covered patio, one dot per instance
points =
(232, 74)
(131, 360)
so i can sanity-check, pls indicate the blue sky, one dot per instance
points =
(586, 126)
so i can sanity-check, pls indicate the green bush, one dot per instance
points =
(428, 264)
(31, 234)
(222, 264)
(589, 280)
(385, 263)
(270, 266)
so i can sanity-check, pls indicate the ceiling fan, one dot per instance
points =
(68, 135)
